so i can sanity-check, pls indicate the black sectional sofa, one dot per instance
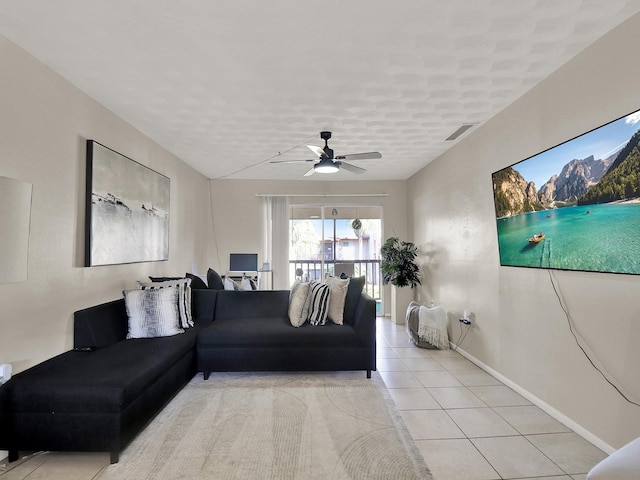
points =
(100, 395)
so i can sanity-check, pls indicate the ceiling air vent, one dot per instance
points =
(459, 132)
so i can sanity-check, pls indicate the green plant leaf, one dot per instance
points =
(398, 263)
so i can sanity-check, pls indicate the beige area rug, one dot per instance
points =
(310, 425)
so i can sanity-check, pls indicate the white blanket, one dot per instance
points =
(432, 326)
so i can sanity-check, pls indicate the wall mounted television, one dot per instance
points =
(575, 206)
(243, 262)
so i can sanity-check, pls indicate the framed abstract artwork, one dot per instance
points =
(127, 210)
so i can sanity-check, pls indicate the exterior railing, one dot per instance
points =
(313, 270)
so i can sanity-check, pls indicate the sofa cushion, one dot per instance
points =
(275, 332)
(152, 313)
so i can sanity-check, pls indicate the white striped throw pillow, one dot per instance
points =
(183, 287)
(319, 306)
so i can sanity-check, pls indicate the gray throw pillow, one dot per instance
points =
(299, 300)
(152, 313)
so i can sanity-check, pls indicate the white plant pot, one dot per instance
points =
(401, 297)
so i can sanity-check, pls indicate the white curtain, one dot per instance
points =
(276, 240)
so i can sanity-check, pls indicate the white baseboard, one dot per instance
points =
(3, 455)
(559, 416)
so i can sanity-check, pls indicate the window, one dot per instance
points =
(332, 240)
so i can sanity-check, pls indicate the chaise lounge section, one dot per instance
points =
(98, 396)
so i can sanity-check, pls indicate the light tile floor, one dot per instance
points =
(466, 424)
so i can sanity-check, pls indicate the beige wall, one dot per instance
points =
(521, 331)
(44, 123)
(238, 213)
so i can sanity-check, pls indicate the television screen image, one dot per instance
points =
(575, 206)
(243, 262)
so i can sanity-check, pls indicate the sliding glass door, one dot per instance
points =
(336, 240)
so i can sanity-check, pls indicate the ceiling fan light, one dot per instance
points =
(325, 166)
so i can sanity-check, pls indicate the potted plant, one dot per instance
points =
(399, 268)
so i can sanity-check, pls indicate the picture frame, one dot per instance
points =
(575, 206)
(127, 210)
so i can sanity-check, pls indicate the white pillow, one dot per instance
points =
(229, 284)
(152, 312)
(299, 300)
(247, 283)
(319, 303)
(183, 286)
(338, 288)
(623, 464)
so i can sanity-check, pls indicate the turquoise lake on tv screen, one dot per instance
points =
(601, 238)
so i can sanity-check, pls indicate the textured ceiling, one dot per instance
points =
(228, 85)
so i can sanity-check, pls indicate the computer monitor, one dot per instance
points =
(243, 262)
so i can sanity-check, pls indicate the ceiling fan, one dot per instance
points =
(328, 163)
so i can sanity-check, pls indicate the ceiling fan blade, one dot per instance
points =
(309, 173)
(350, 168)
(292, 161)
(360, 156)
(317, 150)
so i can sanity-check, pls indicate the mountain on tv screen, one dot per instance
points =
(575, 206)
